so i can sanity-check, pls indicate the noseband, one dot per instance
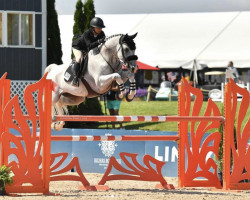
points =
(126, 59)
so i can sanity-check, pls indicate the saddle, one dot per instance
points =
(68, 75)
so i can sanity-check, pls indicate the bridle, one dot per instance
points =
(121, 62)
(126, 59)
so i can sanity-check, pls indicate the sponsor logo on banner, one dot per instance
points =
(108, 149)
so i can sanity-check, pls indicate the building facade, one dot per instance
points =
(23, 36)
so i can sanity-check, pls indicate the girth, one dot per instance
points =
(91, 92)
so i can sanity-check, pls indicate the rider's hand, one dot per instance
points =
(102, 40)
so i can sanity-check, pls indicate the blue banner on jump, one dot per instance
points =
(94, 155)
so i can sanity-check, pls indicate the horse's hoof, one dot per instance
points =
(53, 125)
(128, 99)
(58, 126)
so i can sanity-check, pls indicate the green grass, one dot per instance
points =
(150, 108)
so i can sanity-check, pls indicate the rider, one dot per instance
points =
(90, 39)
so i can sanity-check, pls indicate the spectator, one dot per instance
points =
(231, 72)
(113, 105)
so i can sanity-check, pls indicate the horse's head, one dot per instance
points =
(126, 51)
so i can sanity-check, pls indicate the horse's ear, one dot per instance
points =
(131, 37)
(124, 38)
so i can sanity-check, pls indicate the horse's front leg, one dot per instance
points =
(132, 87)
(105, 80)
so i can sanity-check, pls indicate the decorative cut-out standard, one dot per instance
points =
(136, 171)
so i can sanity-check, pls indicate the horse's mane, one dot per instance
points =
(112, 36)
(130, 43)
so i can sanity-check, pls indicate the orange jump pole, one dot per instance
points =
(76, 138)
(116, 138)
(97, 118)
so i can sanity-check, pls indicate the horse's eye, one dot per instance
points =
(126, 50)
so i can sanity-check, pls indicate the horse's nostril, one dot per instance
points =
(133, 57)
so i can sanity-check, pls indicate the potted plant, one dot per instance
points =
(5, 178)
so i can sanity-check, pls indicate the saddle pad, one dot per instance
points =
(68, 75)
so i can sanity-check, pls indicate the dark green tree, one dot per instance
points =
(54, 46)
(89, 11)
(79, 18)
(79, 22)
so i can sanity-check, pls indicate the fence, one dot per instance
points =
(188, 118)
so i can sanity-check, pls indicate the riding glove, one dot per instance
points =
(102, 40)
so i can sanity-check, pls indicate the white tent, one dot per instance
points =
(232, 44)
(174, 40)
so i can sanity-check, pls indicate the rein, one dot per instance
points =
(113, 68)
(126, 59)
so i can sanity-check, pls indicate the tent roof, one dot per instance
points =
(177, 39)
(145, 66)
(174, 40)
(233, 44)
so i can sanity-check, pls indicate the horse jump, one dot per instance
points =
(186, 116)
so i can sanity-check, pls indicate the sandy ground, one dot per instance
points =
(131, 190)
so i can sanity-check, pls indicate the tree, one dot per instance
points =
(89, 11)
(54, 47)
(79, 22)
(79, 18)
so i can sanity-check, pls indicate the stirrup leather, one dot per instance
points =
(75, 82)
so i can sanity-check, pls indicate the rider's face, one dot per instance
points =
(97, 30)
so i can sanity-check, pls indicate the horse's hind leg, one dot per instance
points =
(58, 109)
(61, 107)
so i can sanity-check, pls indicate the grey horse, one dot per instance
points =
(104, 69)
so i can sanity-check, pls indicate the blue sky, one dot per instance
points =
(156, 6)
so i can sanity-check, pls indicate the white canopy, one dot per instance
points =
(174, 40)
(232, 44)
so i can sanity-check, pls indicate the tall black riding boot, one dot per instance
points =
(76, 72)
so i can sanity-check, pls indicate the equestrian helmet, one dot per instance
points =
(97, 22)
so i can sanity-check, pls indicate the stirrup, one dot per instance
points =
(75, 82)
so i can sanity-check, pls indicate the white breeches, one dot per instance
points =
(78, 55)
